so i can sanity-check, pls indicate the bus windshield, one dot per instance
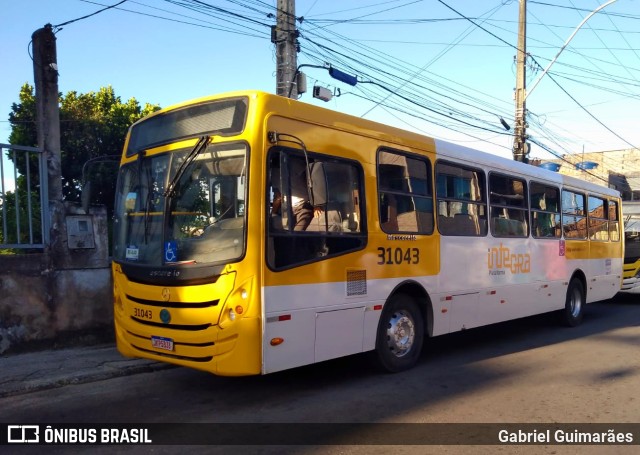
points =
(200, 220)
(632, 238)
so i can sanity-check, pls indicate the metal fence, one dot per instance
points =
(24, 205)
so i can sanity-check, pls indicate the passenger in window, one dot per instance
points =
(276, 210)
(300, 213)
(303, 211)
(225, 208)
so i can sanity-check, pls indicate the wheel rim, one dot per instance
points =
(401, 333)
(575, 303)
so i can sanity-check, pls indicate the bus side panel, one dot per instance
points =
(485, 280)
(605, 270)
(311, 323)
(318, 322)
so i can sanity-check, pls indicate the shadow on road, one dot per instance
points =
(453, 367)
(449, 366)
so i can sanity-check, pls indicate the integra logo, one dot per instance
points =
(500, 259)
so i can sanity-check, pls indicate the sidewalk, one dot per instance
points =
(34, 371)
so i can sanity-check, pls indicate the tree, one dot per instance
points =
(92, 125)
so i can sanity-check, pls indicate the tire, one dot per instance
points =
(400, 335)
(573, 310)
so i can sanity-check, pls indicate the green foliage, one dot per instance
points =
(92, 125)
(23, 119)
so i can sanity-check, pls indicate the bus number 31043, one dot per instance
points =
(391, 256)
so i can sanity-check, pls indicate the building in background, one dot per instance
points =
(618, 169)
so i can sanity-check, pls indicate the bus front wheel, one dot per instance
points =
(573, 310)
(400, 334)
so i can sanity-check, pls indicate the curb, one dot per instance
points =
(45, 370)
(100, 374)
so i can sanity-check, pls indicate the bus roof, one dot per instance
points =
(334, 119)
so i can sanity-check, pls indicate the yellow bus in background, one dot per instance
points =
(254, 233)
(631, 268)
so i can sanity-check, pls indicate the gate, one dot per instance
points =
(24, 205)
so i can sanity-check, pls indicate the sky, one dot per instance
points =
(441, 68)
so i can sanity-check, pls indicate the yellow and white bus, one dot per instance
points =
(631, 267)
(254, 233)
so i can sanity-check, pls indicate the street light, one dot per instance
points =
(535, 84)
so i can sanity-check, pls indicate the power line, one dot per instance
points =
(589, 113)
(445, 97)
(89, 15)
(586, 10)
(423, 103)
(433, 60)
(610, 52)
(207, 24)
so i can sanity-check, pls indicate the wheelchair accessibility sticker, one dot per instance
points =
(170, 251)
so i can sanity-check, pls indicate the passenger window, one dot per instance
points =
(544, 201)
(461, 196)
(405, 201)
(598, 218)
(614, 225)
(574, 221)
(509, 214)
(314, 208)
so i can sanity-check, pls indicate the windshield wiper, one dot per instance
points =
(173, 184)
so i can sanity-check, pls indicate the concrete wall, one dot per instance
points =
(66, 288)
(41, 301)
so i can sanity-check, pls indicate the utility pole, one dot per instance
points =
(45, 69)
(520, 145)
(285, 37)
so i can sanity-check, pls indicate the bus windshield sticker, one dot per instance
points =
(132, 253)
(130, 202)
(170, 251)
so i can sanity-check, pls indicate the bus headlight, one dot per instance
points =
(238, 304)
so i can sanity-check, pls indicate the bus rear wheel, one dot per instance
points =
(400, 334)
(573, 310)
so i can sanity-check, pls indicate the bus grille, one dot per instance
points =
(174, 356)
(207, 304)
(136, 340)
(172, 326)
(631, 260)
(205, 314)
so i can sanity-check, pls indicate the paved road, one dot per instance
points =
(530, 370)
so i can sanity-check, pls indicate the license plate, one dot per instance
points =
(163, 343)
